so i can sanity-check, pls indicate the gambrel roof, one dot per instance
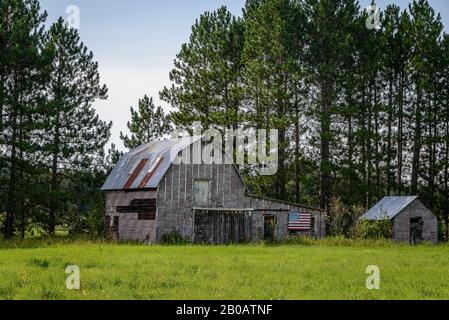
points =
(388, 208)
(145, 166)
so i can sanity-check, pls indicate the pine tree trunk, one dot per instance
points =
(433, 147)
(416, 145)
(281, 169)
(54, 180)
(369, 149)
(363, 143)
(350, 158)
(11, 203)
(400, 131)
(281, 176)
(376, 137)
(297, 138)
(389, 138)
(430, 182)
(446, 179)
(21, 184)
(350, 143)
(2, 92)
(325, 144)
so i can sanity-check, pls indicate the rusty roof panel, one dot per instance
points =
(135, 173)
(150, 173)
(147, 162)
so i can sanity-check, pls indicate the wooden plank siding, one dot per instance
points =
(417, 209)
(227, 191)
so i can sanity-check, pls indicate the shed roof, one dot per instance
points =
(388, 208)
(145, 166)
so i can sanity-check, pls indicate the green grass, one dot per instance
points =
(329, 269)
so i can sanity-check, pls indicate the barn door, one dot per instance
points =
(416, 226)
(269, 227)
(219, 227)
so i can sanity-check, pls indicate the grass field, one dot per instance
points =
(36, 270)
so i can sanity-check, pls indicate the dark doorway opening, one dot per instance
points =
(416, 227)
(269, 227)
(220, 226)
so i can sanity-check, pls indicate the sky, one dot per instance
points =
(136, 41)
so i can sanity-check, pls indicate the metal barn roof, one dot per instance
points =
(388, 208)
(145, 166)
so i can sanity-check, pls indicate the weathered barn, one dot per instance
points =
(149, 194)
(411, 219)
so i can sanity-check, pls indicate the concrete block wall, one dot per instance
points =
(130, 228)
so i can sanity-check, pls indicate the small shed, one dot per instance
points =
(411, 219)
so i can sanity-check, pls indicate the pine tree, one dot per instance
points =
(73, 134)
(390, 72)
(22, 73)
(272, 78)
(206, 77)
(426, 30)
(112, 157)
(148, 123)
(444, 99)
(329, 41)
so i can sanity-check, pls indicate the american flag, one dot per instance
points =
(299, 221)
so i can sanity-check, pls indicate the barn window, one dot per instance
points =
(146, 216)
(145, 209)
(200, 193)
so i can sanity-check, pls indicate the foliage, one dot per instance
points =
(173, 238)
(341, 219)
(112, 157)
(74, 134)
(22, 74)
(147, 124)
(379, 229)
(355, 107)
(51, 137)
(206, 76)
(361, 113)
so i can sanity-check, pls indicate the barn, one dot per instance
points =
(412, 221)
(149, 195)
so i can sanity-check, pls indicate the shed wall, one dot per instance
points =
(401, 223)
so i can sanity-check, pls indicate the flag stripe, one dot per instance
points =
(300, 221)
